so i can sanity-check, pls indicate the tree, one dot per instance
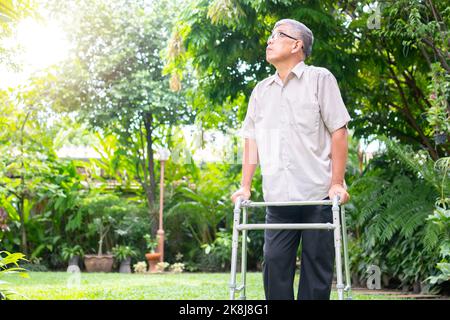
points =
(115, 78)
(25, 157)
(398, 73)
(225, 40)
(381, 56)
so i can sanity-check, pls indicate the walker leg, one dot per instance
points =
(337, 246)
(234, 247)
(348, 284)
(244, 257)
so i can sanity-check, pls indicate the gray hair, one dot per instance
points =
(303, 31)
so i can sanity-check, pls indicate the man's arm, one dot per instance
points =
(249, 164)
(339, 153)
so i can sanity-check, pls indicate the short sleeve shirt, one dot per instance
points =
(292, 125)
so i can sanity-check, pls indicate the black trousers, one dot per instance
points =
(280, 252)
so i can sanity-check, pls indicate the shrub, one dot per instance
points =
(388, 217)
(441, 217)
(177, 267)
(140, 267)
(162, 266)
(9, 264)
(122, 253)
(68, 253)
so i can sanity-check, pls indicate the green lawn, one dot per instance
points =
(196, 286)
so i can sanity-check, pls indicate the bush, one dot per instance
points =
(122, 221)
(441, 217)
(219, 251)
(388, 217)
(9, 264)
(140, 267)
(68, 253)
(122, 253)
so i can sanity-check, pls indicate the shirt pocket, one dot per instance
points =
(305, 117)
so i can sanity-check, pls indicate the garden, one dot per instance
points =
(120, 146)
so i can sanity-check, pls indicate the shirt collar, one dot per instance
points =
(297, 70)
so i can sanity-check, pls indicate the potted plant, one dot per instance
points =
(72, 254)
(123, 254)
(100, 262)
(152, 257)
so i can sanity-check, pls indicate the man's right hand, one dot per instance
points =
(242, 192)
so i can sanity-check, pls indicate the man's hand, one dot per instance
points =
(340, 190)
(242, 192)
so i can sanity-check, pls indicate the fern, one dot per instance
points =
(9, 264)
(390, 205)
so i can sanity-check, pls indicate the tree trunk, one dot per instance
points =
(23, 231)
(21, 205)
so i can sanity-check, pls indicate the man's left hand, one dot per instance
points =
(340, 190)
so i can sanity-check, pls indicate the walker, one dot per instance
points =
(244, 227)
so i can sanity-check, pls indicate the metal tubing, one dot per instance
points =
(337, 246)
(248, 203)
(348, 284)
(339, 234)
(244, 256)
(290, 226)
(234, 247)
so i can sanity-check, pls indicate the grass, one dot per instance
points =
(116, 286)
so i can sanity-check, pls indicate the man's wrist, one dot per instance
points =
(339, 182)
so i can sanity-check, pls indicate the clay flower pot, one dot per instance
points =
(98, 263)
(153, 260)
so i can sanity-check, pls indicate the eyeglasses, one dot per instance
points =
(275, 35)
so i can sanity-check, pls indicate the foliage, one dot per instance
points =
(177, 267)
(441, 217)
(115, 82)
(68, 253)
(104, 211)
(140, 267)
(220, 250)
(151, 242)
(161, 266)
(438, 115)
(394, 77)
(197, 205)
(388, 215)
(202, 204)
(9, 264)
(122, 253)
(382, 55)
(37, 190)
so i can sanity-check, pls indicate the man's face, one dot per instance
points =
(281, 44)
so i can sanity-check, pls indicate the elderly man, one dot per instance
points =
(295, 128)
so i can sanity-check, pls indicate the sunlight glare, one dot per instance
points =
(43, 44)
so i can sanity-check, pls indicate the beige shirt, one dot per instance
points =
(292, 126)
